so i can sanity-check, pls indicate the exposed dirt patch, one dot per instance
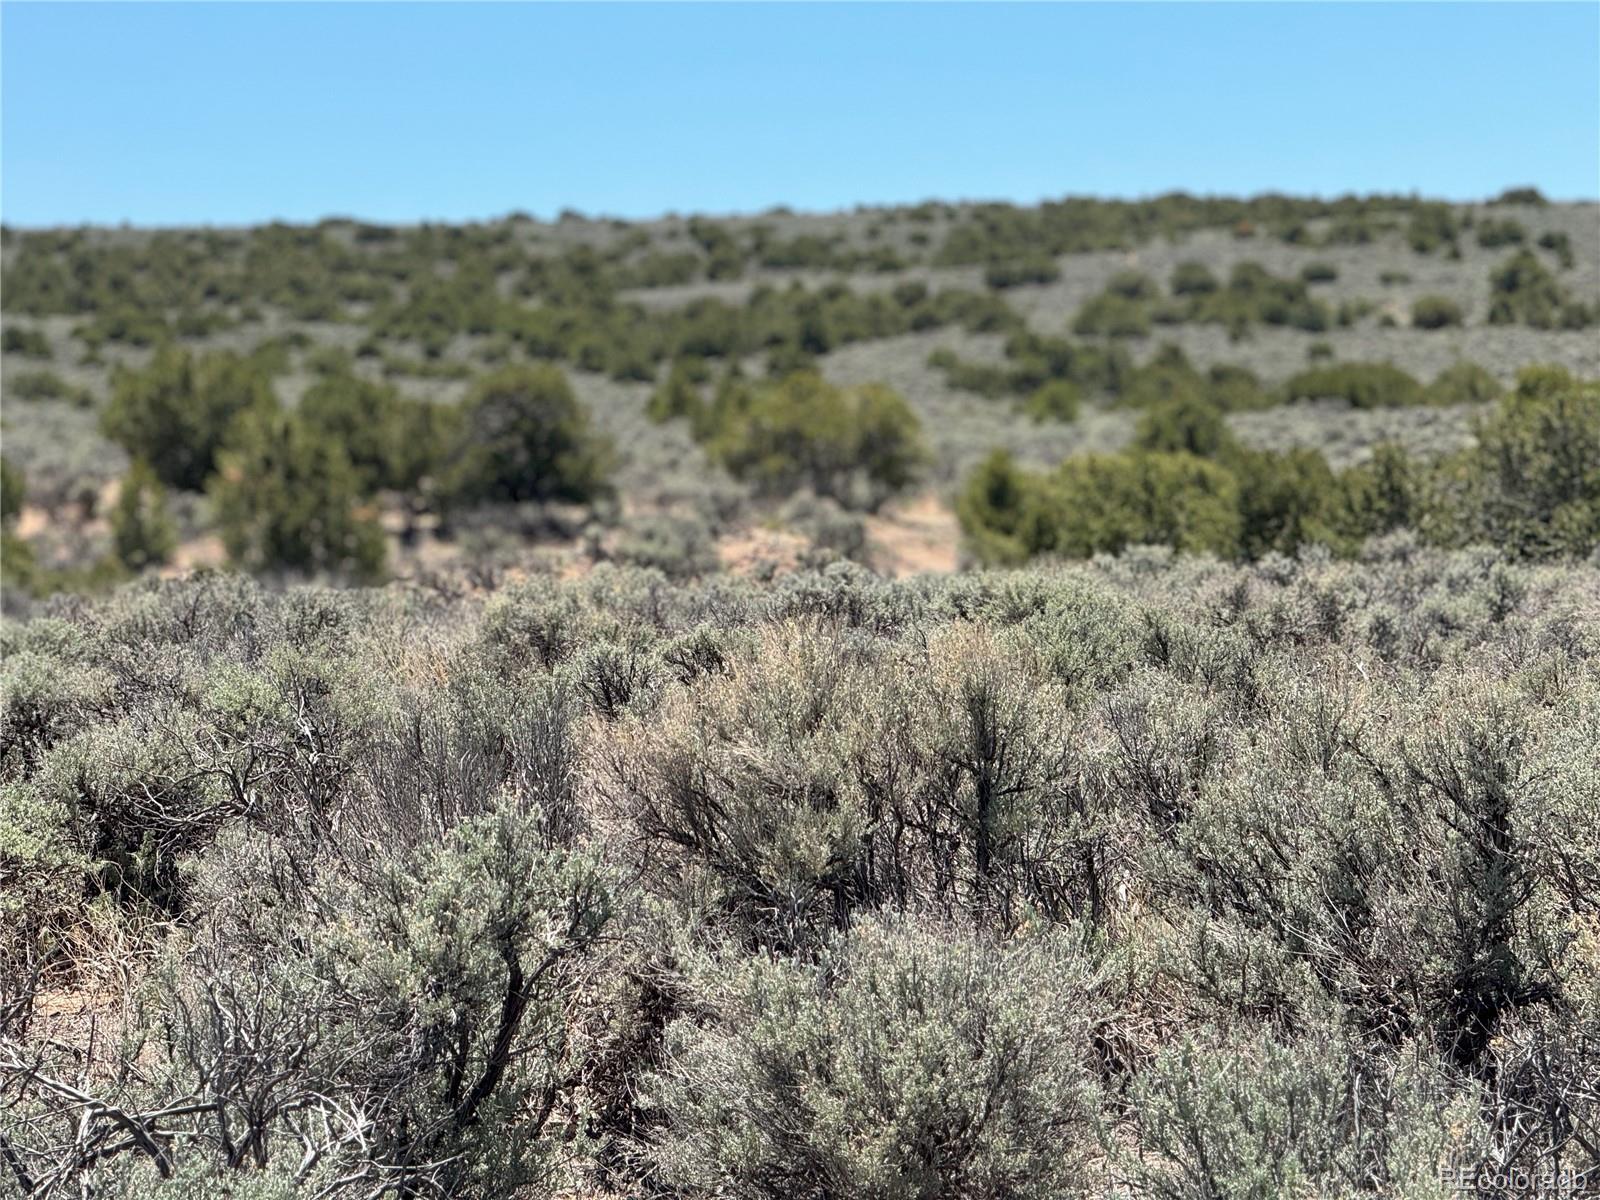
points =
(760, 551)
(86, 1024)
(917, 537)
(32, 521)
(192, 555)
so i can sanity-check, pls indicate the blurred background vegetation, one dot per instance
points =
(347, 401)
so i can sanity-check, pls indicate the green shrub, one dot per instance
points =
(13, 492)
(1529, 196)
(1112, 315)
(1015, 272)
(1533, 480)
(906, 1062)
(1464, 383)
(678, 398)
(1522, 291)
(983, 379)
(1169, 377)
(1285, 500)
(1319, 272)
(287, 499)
(1506, 232)
(1361, 385)
(1435, 312)
(1351, 230)
(1133, 285)
(142, 534)
(392, 442)
(1381, 495)
(1188, 423)
(524, 437)
(1254, 295)
(46, 385)
(25, 341)
(1559, 244)
(857, 446)
(176, 412)
(992, 506)
(1058, 400)
(1351, 311)
(126, 325)
(1234, 388)
(1430, 227)
(1193, 279)
(1102, 503)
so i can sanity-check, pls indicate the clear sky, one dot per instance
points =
(233, 113)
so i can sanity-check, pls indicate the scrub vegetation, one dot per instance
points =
(954, 702)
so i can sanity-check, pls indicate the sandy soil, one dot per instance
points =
(915, 537)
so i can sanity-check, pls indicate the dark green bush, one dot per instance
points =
(1286, 499)
(678, 398)
(1493, 233)
(992, 506)
(1430, 227)
(1132, 285)
(1361, 385)
(1319, 272)
(287, 499)
(142, 533)
(125, 325)
(857, 446)
(1560, 245)
(1530, 196)
(1351, 311)
(522, 436)
(1102, 503)
(1188, 423)
(1532, 482)
(46, 385)
(1383, 494)
(1058, 400)
(1464, 383)
(1193, 279)
(1522, 291)
(1435, 312)
(176, 413)
(1112, 315)
(25, 341)
(13, 491)
(392, 442)
(1015, 272)
(1169, 377)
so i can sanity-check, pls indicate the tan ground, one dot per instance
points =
(915, 537)
(749, 550)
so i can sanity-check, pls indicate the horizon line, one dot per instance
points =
(776, 209)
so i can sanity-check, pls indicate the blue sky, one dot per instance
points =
(233, 113)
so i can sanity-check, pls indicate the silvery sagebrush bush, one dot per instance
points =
(1155, 875)
(905, 1061)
